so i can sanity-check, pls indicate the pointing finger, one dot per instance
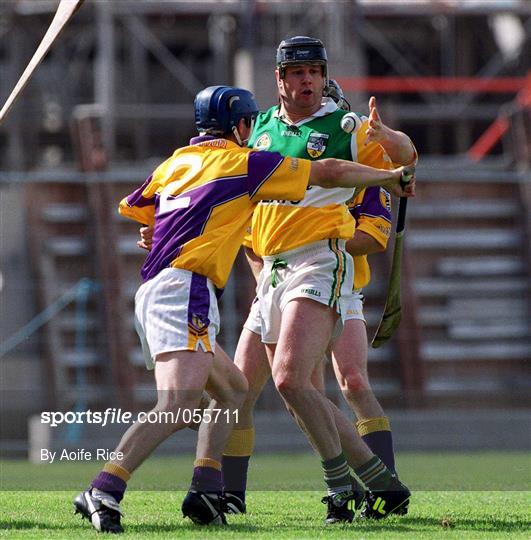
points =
(373, 110)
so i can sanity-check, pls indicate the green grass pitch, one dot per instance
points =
(478, 495)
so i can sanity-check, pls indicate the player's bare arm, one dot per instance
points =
(331, 172)
(363, 244)
(396, 143)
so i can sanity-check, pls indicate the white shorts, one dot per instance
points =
(354, 306)
(322, 271)
(254, 321)
(354, 310)
(177, 310)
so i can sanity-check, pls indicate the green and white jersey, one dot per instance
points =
(283, 225)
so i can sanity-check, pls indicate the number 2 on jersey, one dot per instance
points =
(168, 201)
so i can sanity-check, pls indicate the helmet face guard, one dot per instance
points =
(219, 109)
(301, 50)
(334, 91)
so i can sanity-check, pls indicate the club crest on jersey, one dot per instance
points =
(263, 142)
(316, 145)
(385, 199)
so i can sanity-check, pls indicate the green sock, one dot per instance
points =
(337, 474)
(374, 474)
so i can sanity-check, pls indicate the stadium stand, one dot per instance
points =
(465, 334)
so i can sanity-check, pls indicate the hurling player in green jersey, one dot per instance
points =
(307, 125)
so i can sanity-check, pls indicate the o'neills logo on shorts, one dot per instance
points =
(317, 144)
(313, 292)
(263, 142)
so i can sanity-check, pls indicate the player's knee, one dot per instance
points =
(287, 385)
(354, 384)
(233, 394)
(231, 389)
(170, 406)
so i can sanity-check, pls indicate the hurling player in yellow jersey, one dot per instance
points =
(300, 321)
(199, 202)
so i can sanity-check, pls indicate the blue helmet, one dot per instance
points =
(220, 108)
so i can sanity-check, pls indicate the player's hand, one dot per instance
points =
(146, 237)
(377, 130)
(404, 182)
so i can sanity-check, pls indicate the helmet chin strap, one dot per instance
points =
(237, 136)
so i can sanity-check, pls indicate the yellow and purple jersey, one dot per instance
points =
(201, 200)
(371, 208)
(282, 225)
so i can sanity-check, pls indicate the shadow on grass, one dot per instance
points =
(24, 524)
(447, 522)
(198, 529)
